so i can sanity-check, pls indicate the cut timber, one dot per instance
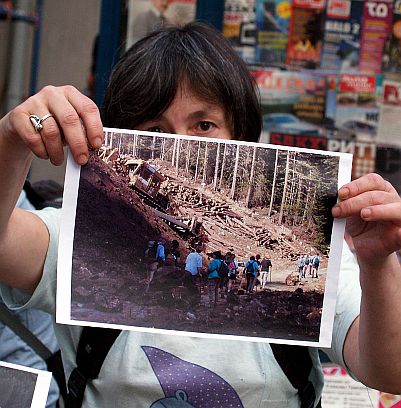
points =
(251, 231)
(170, 218)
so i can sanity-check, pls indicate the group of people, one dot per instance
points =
(256, 268)
(308, 265)
(189, 80)
(222, 273)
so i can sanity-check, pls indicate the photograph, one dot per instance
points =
(23, 387)
(211, 237)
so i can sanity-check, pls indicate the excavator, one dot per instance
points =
(146, 181)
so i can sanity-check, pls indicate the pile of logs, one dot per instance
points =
(117, 162)
(217, 215)
(120, 166)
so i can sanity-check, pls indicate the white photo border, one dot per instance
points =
(42, 385)
(64, 266)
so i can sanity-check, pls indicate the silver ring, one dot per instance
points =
(37, 121)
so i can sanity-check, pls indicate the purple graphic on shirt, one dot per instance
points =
(189, 385)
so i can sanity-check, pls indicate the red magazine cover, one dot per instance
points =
(306, 33)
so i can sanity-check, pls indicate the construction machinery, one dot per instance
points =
(146, 181)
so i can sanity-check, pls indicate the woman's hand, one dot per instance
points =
(75, 121)
(372, 208)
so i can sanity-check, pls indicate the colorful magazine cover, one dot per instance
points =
(376, 26)
(272, 24)
(292, 102)
(300, 110)
(306, 34)
(239, 27)
(392, 51)
(357, 107)
(354, 112)
(342, 35)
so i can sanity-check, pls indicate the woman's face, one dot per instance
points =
(190, 115)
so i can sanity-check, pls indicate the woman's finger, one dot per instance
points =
(68, 122)
(386, 212)
(369, 182)
(21, 125)
(51, 138)
(353, 206)
(89, 113)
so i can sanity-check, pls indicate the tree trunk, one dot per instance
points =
(206, 158)
(232, 194)
(135, 145)
(299, 200)
(197, 161)
(311, 208)
(273, 184)
(283, 199)
(216, 169)
(174, 149)
(251, 177)
(223, 165)
(307, 198)
(188, 157)
(177, 156)
(153, 147)
(119, 144)
(163, 148)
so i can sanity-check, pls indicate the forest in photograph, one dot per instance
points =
(242, 202)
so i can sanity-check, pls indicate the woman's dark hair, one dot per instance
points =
(146, 79)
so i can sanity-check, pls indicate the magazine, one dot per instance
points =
(342, 35)
(272, 23)
(306, 34)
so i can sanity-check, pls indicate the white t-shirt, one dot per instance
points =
(156, 370)
(193, 262)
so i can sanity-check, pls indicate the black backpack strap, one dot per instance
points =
(296, 363)
(13, 323)
(53, 361)
(94, 345)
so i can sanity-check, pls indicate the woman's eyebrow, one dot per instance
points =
(199, 114)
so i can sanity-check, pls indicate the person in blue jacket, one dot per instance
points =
(251, 270)
(213, 278)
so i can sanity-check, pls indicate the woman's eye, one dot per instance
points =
(155, 129)
(205, 126)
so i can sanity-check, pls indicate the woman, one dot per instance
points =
(189, 81)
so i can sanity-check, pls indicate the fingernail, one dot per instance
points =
(97, 142)
(343, 193)
(366, 213)
(336, 211)
(82, 159)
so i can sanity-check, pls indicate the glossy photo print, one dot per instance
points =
(202, 237)
(23, 387)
